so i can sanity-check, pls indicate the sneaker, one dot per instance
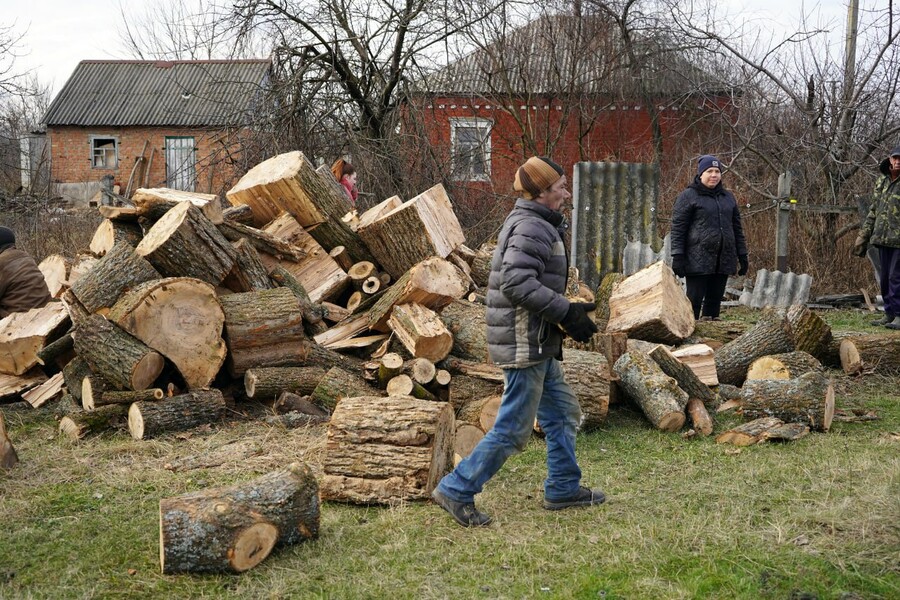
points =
(887, 318)
(584, 497)
(463, 513)
(895, 324)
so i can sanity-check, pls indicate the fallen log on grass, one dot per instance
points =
(78, 425)
(808, 399)
(761, 430)
(178, 413)
(657, 394)
(770, 335)
(878, 353)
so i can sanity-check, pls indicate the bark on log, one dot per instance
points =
(686, 378)
(386, 450)
(389, 367)
(264, 242)
(178, 413)
(267, 383)
(811, 334)
(403, 385)
(466, 390)
(184, 243)
(121, 269)
(720, 332)
(340, 383)
(127, 397)
(651, 305)
(481, 265)
(239, 214)
(234, 528)
(109, 233)
(290, 402)
(8, 456)
(421, 331)
(878, 353)
(750, 433)
(313, 314)
(77, 312)
(153, 203)
(92, 385)
(371, 285)
(421, 370)
(658, 395)
(24, 334)
(700, 418)
(78, 425)
(808, 399)
(601, 299)
(182, 319)
(56, 355)
(458, 366)
(264, 329)
(73, 375)
(120, 358)
(248, 273)
(783, 366)
(466, 323)
(770, 335)
(588, 375)
(341, 257)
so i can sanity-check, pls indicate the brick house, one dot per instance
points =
(137, 123)
(560, 86)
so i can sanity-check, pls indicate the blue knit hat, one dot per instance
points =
(708, 161)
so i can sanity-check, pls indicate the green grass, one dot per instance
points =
(819, 517)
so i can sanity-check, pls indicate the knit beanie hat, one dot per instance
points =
(7, 236)
(708, 161)
(536, 175)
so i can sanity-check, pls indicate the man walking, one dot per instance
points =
(525, 310)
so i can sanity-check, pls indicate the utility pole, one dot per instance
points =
(848, 113)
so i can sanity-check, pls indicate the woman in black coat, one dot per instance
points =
(707, 238)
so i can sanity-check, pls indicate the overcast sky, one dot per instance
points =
(60, 33)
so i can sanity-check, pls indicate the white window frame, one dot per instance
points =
(471, 122)
(105, 152)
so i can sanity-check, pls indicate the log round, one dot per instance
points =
(657, 394)
(178, 413)
(78, 425)
(588, 375)
(467, 437)
(339, 383)
(879, 353)
(422, 370)
(122, 360)
(808, 399)
(811, 334)
(268, 383)
(770, 335)
(389, 367)
(783, 366)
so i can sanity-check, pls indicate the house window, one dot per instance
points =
(104, 152)
(470, 147)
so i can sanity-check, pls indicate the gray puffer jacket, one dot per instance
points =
(525, 299)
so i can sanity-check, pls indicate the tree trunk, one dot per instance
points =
(78, 425)
(267, 383)
(121, 269)
(651, 305)
(180, 318)
(339, 383)
(878, 353)
(121, 359)
(178, 413)
(313, 314)
(657, 394)
(770, 335)
(467, 325)
(686, 378)
(248, 273)
(808, 399)
(232, 529)
(421, 331)
(241, 213)
(24, 334)
(386, 450)
(783, 366)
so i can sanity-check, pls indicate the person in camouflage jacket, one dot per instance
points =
(882, 230)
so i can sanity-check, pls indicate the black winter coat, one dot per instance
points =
(706, 228)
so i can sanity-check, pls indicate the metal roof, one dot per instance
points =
(192, 93)
(774, 288)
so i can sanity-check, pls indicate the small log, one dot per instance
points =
(386, 450)
(262, 383)
(783, 366)
(56, 355)
(121, 359)
(339, 383)
(588, 374)
(248, 273)
(476, 298)
(750, 433)
(110, 232)
(359, 272)
(78, 425)
(8, 456)
(457, 366)
(313, 314)
(119, 270)
(700, 359)
(293, 420)
(811, 334)
(73, 376)
(700, 418)
(126, 397)
(466, 390)
(341, 257)
(178, 413)
(658, 395)
(421, 331)
(264, 242)
(354, 301)
(92, 388)
(787, 432)
(442, 377)
(389, 367)
(467, 437)
(290, 402)
(488, 414)
(808, 399)
(232, 529)
(24, 334)
(686, 378)
(421, 370)
(770, 335)
(371, 285)
(333, 312)
(153, 203)
(403, 385)
(878, 353)
(239, 214)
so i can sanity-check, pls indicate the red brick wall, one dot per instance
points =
(70, 155)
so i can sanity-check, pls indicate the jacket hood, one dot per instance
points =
(885, 167)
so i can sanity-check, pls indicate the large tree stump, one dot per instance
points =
(24, 334)
(811, 334)
(264, 329)
(178, 413)
(121, 269)
(588, 375)
(783, 366)
(184, 243)
(808, 399)
(268, 383)
(651, 305)
(466, 322)
(154, 203)
(770, 335)
(657, 394)
(120, 358)
(79, 425)
(421, 331)
(340, 383)
(686, 378)
(433, 283)
(878, 353)
(232, 529)
(8, 456)
(422, 227)
(180, 318)
(386, 450)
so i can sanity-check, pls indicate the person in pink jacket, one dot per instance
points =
(346, 175)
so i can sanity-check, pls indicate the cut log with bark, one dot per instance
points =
(700, 359)
(79, 425)
(770, 335)
(77, 312)
(117, 356)
(421, 331)
(716, 334)
(421, 370)
(587, 373)
(49, 390)
(341, 257)
(340, 383)
(481, 264)
(55, 269)
(651, 305)
(466, 323)
(81, 264)
(241, 213)
(184, 243)
(750, 433)
(458, 366)
(118, 213)
(403, 385)
(109, 233)
(434, 283)
(73, 376)
(808, 399)
(371, 285)
(601, 299)
(657, 394)
(789, 365)
(361, 271)
(422, 227)
(313, 313)
(290, 402)
(267, 383)
(877, 353)
(701, 420)
(107, 397)
(118, 271)
(232, 529)
(8, 456)
(389, 367)
(684, 375)
(153, 203)
(265, 242)
(334, 313)
(178, 413)
(386, 450)
(24, 334)
(467, 437)
(182, 319)
(264, 329)
(248, 273)
(810, 332)
(57, 354)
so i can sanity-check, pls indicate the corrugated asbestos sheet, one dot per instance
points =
(117, 93)
(614, 204)
(774, 288)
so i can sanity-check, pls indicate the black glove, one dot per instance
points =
(679, 264)
(745, 264)
(577, 324)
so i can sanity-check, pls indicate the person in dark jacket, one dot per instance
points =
(527, 314)
(22, 285)
(707, 238)
(882, 230)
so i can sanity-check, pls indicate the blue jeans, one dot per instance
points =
(542, 391)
